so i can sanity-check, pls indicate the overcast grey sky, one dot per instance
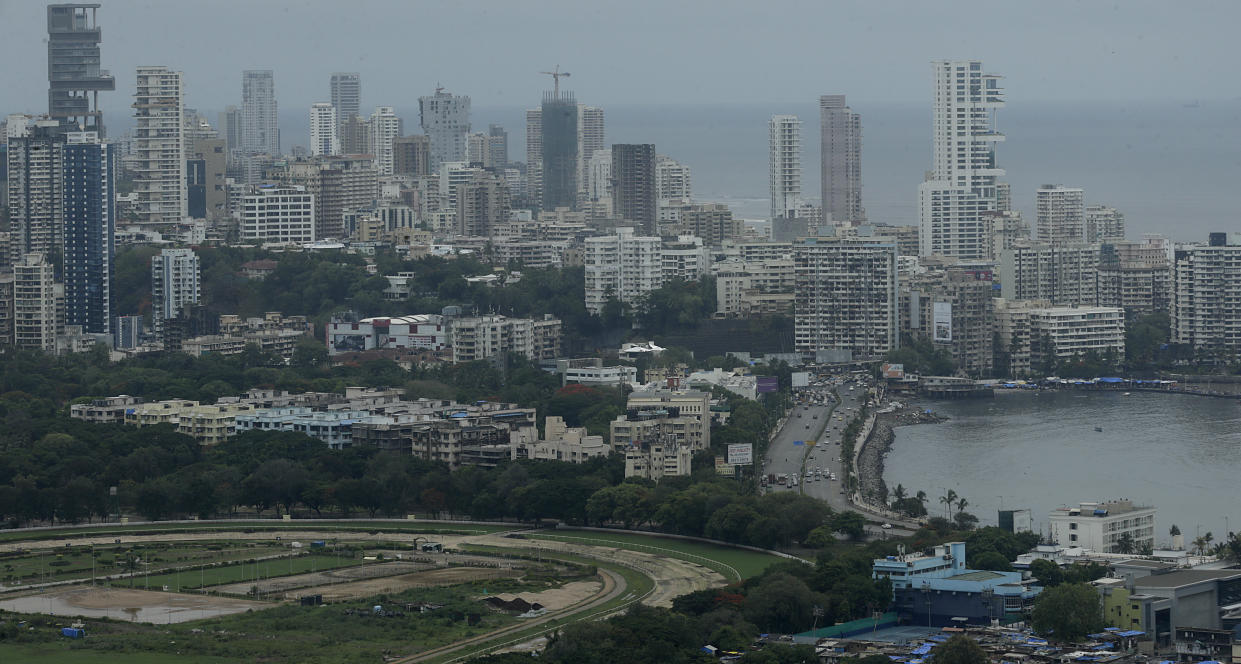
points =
(645, 51)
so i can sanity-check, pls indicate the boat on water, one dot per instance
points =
(1098, 428)
(1125, 394)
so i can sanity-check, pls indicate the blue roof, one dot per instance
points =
(799, 442)
(1132, 632)
(1111, 379)
(921, 650)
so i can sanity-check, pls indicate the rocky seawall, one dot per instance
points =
(870, 460)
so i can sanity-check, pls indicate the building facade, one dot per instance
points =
(784, 165)
(1206, 313)
(74, 75)
(260, 127)
(846, 296)
(175, 282)
(324, 130)
(35, 185)
(1064, 274)
(559, 165)
(90, 226)
(1061, 214)
(1104, 224)
(36, 319)
(160, 186)
(346, 94)
(633, 185)
(445, 118)
(1104, 527)
(385, 129)
(278, 215)
(623, 265)
(840, 160)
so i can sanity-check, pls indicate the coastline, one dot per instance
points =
(876, 446)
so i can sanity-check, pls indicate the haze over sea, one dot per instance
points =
(1172, 167)
(1040, 450)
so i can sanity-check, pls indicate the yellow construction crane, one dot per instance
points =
(556, 75)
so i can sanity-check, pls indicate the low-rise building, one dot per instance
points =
(424, 331)
(334, 427)
(655, 461)
(757, 288)
(167, 411)
(559, 443)
(1104, 527)
(1167, 601)
(590, 371)
(105, 410)
(211, 425)
(484, 337)
(274, 215)
(1067, 332)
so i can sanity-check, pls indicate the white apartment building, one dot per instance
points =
(623, 265)
(846, 296)
(591, 139)
(784, 165)
(559, 443)
(421, 331)
(1065, 275)
(278, 215)
(35, 294)
(673, 180)
(962, 185)
(534, 154)
(1104, 224)
(1073, 331)
(621, 374)
(1100, 527)
(683, 258)
(260, 124)
(346, 93)
(1136, 276)
(1060, 213)
(657, 461)
(158, 158)
(324, 130)
(840, 131)
(754, 288)
(175, 282)
(1206, 308)
(385, 128)
(482, 337)
(599, 176)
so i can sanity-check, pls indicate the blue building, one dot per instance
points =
(89, 229)
(936, 589)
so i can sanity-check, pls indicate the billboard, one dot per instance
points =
(942, 320)
(767, 384)
(801, 379)
(741, 454)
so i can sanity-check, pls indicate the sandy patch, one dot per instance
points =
(394, 584)
(558, 598)
(122, 604)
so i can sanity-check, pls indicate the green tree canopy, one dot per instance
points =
(1068, 612)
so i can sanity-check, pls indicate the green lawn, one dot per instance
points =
(64, 563)
(59, 652)
(734, 564)
(215, 576)
(266, 525)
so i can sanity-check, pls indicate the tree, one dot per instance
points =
(849, 523)
(961, 649)
(898, 494)
(1174, 530)
(1068, 611)
(1048, 573)
(948, 500)
(991, 560)
(1125, 543)
(961, 503)
(781, 603)
(964, 521)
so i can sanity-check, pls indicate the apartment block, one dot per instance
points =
(334, 427)
(36, 303)
(1067, 332)
(846, 296)
(559, 443)
(1104, 224)
(1136, 276)
(1099, 527)
(755, 288)
(1060, 212)
(278, 215)
(484, 337)
(713, 222)
(108, 410)
(623, 265)
(955, 310)
(1206, 307)
(1065, 275)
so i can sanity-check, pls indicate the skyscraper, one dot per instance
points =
(962, 186)
(590, 139)
(35, 186)
(385, 128)
(230, 127)
(1060, 212)
(534, 154)
(347, 94)
(633, 185)
(159, 147)
(559, 125)
(673, 180)
(445, 118)
(1104, 224)
(784, 163)
(35, 293)
(324, 129)
(497, 145)
(73, 74)
(90, 225)
(482, 203)
(260, 129)
(841, 160)
(411, 155)
(846, 295)
(175, 282)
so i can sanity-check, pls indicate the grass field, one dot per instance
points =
(255, 526)
(80, 562)
(734, 564)
(215, 576)
(61, 653)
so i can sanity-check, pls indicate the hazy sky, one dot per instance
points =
(644, 51)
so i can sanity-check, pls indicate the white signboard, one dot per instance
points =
(741, 454)
(801, 379)
(941, 317)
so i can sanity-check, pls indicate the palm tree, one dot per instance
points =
(1207, 539)
(898, 494)
(961, 503)
(1124, 543)
(921, 496)
(948, 500)
(1200, 543)
(1174, 531)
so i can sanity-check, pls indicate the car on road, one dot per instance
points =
(886, 526)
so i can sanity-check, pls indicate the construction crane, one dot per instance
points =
(556, 75)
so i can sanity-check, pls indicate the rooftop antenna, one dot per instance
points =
(556, 75)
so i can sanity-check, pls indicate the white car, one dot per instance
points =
(886, 526)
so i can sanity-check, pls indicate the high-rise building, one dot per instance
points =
(445, 118)
(599, 177)
(346, 94)
(411, 155)
(230, 127)
(159, 147)
(846, 297)
(1206, 312)
(1104, 224)
(90, 226)
(633, 185)
(347, 182)
(534, 154)
(1136, 276)
(35, 306)
(559, 142)
(35, 184)
(175, 282)
(260, 127)
(497, 145)
(841, 160)
(478, 149)
(623, 266)
(355, 135)
(482, 203)
(590, 139)
(324, 130)
(74, 78)
(278, 215)
(784, 162)
(385, 128)
(1060, 213)
(962, 184)
(673, 180)
(1066, 275)
(713, 222)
